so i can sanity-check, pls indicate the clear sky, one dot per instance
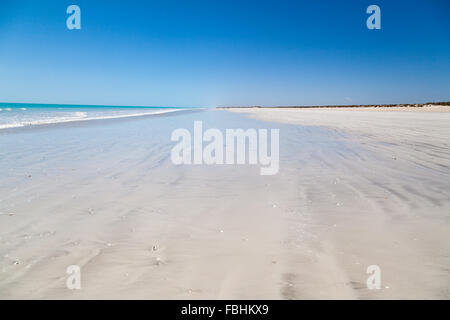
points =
(215, 53)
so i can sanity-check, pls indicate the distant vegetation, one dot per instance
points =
(414, 105)
(440, 103)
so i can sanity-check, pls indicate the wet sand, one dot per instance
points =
(106, 197)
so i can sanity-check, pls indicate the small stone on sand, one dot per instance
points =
(8, 214)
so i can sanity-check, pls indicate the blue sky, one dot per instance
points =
(214, 53)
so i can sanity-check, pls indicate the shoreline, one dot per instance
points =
(106, 119)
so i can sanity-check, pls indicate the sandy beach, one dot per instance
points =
(355, 188)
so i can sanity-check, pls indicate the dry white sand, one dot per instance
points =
(396, 203)
(369, 189)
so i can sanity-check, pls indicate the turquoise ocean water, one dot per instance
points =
(13, 115)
